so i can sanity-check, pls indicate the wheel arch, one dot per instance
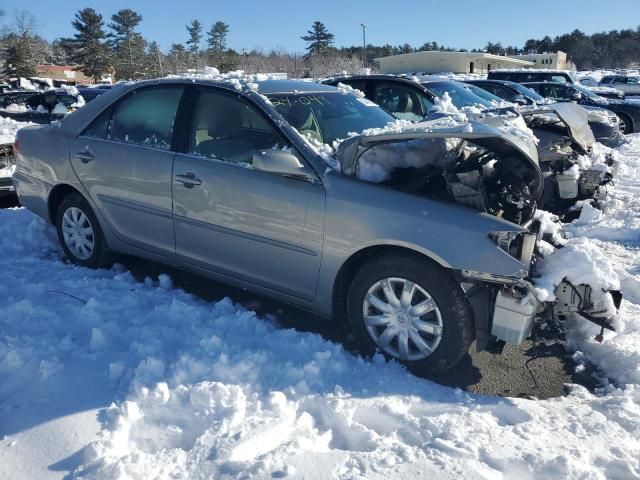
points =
(353, 263)
(55, 198)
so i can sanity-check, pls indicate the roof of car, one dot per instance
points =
(375, 76)
(292, 86)
(232, 83)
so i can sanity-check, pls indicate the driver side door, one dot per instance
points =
(230, 218)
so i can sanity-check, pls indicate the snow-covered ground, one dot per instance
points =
(108, 377)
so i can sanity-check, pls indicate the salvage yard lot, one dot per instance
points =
(110, 374)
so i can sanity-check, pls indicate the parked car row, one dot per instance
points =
(421, 236)
(554, 76)
(564, 130)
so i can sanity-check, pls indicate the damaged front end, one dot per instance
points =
(493, 171)
(565, 143)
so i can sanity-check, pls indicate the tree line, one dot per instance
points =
(115, 46)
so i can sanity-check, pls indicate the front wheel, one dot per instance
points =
(625, 124)
(79, 233)
(412, 310)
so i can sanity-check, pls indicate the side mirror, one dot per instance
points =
(280, 162)
(576, 96)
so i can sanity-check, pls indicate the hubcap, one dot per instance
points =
(78, 233)
(402, 319)
(622, 125)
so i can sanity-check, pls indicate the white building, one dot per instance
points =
(456, 62)
(553, 60)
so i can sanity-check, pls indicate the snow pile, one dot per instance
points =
(15, 108)
(208, 390)
(377, 163)
(185, 388)
(580, 261)
(445, 105)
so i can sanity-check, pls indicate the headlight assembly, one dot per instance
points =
(519, 245)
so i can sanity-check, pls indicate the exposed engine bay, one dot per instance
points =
(485, 173)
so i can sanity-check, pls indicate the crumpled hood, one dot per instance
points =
(504, 142)
(574, 117)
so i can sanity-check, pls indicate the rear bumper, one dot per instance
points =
(32, 193)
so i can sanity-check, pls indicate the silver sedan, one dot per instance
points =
(421, 240)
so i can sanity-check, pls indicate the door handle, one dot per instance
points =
(84, 157)
(188, 179)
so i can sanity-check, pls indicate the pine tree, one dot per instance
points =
(318, 39)
(193, 44)
(217, 40)
(153, 64)
(88, 47)
(127, 44)
(177, 58)
(18, 58)
(22, 49)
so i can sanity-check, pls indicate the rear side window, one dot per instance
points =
(146, 117)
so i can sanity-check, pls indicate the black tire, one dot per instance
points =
(628, 123)
(100, 256)
(446, 292)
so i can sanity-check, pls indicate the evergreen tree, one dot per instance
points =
(177, 58)
(88, 47)
(195, 37)
(22, 50)
(128, 45)
(18, 58)
(153, 64)
(318, 38)
(217, 40)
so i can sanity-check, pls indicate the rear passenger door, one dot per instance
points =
(233, 219)
(124, 161)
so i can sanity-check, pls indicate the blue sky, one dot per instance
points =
(273, 23)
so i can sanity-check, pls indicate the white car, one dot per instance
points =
(629, 85)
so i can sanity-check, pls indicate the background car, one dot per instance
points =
(557, 76)
(628, 84)
(603, 123)
(627, 111)
(38, 107)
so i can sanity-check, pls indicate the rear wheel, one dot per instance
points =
(412, 310)
(80, 234)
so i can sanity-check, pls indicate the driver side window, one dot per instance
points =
(225, 128)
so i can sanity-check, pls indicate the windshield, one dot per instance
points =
(461, 96)
(329, 116)
(527, 92)
(488, 96)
